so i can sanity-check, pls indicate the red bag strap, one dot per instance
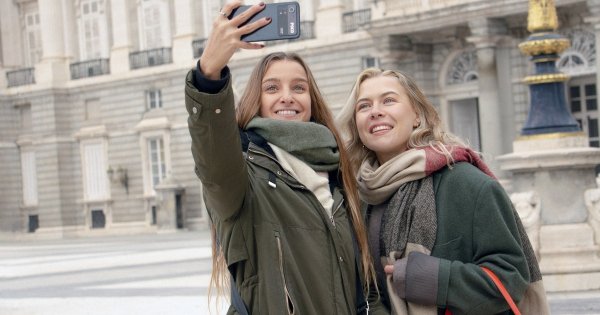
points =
(502, 289)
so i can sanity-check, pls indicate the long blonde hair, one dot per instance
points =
(429, 132)
(248, 108)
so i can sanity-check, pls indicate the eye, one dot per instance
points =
(362, 106)
(388, 100)
(270, 88)
(299, 88)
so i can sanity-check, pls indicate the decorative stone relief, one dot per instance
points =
(463, 68)
(592, 203)
(528, 207)
(580, 58)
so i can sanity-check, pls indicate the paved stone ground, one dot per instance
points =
(138, 274)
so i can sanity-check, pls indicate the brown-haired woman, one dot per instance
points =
(280, 193)
(437, 216)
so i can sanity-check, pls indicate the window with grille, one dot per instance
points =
(93, 30)
(29, 178)
(370, 62)
(583, 103)
(153, 99)
(94, 172)
(33, 36)
(156, 154)
(154, 24)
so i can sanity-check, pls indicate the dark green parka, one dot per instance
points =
(286, 253)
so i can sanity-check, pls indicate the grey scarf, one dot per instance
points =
(312, 143)
(410, 217)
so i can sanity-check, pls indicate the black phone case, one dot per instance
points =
(285, 23)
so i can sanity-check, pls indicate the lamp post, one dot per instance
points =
(548, 112)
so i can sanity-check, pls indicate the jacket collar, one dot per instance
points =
(254, 142)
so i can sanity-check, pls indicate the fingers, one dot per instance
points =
(230, 6)
(246, 15)
(249, 28)
(247, 45)
(389, 269)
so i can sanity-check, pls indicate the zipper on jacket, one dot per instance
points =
(335, 210)
(289, 303)
(300, 186)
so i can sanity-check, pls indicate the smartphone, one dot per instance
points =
(285, 22)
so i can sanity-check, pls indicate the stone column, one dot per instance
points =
(329, 18)
(119, 53)
(11, 47)
(53, 69)
(486, 33)
(70, 25)
(184, 32)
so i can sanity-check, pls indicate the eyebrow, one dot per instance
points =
(381, 95)
(278, 80)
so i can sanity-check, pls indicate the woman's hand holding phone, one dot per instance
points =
(225, 37)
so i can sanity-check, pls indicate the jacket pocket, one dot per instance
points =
(289, 302)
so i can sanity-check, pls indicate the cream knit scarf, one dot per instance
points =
(377, 183)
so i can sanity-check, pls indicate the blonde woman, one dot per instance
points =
(436, 212)
(281, 195)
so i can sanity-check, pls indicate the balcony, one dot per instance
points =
(198, 47)
(89, 68)
(408, 7)
(20, 77)
(150, 58)
(307, 31)
(354, 20)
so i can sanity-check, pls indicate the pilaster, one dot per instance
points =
(3, 82)
(329, 18)
(184, 32)
(486, 34)
(594, 20)
(119, 53)
(53, 69)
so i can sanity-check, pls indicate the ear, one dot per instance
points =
(417, 123)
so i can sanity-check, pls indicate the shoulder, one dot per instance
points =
(462, 175)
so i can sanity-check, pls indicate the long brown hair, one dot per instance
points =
(248, 108)
(429, 132)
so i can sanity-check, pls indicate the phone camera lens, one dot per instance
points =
(291, 9)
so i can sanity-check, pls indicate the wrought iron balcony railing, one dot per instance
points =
(89, 68)
(150, 58)
(307, 31)
(20, 77)
(198, 47)
(354, 20)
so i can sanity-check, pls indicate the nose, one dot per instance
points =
(376, 112)
(287, 98)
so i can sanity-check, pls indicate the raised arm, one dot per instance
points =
(216, 147)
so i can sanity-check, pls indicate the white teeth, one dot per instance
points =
(287, 112)
(380, 127)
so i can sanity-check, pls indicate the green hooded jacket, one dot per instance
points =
(288, 256)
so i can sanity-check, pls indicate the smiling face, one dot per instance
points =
(384, 117)
(285, 92)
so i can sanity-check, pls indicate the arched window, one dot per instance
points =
(580, 58)
(463, 68)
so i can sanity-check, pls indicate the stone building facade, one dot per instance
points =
(93, 131)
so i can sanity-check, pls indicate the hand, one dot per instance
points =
(389, 269)
(398, 273)
(225, 38)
